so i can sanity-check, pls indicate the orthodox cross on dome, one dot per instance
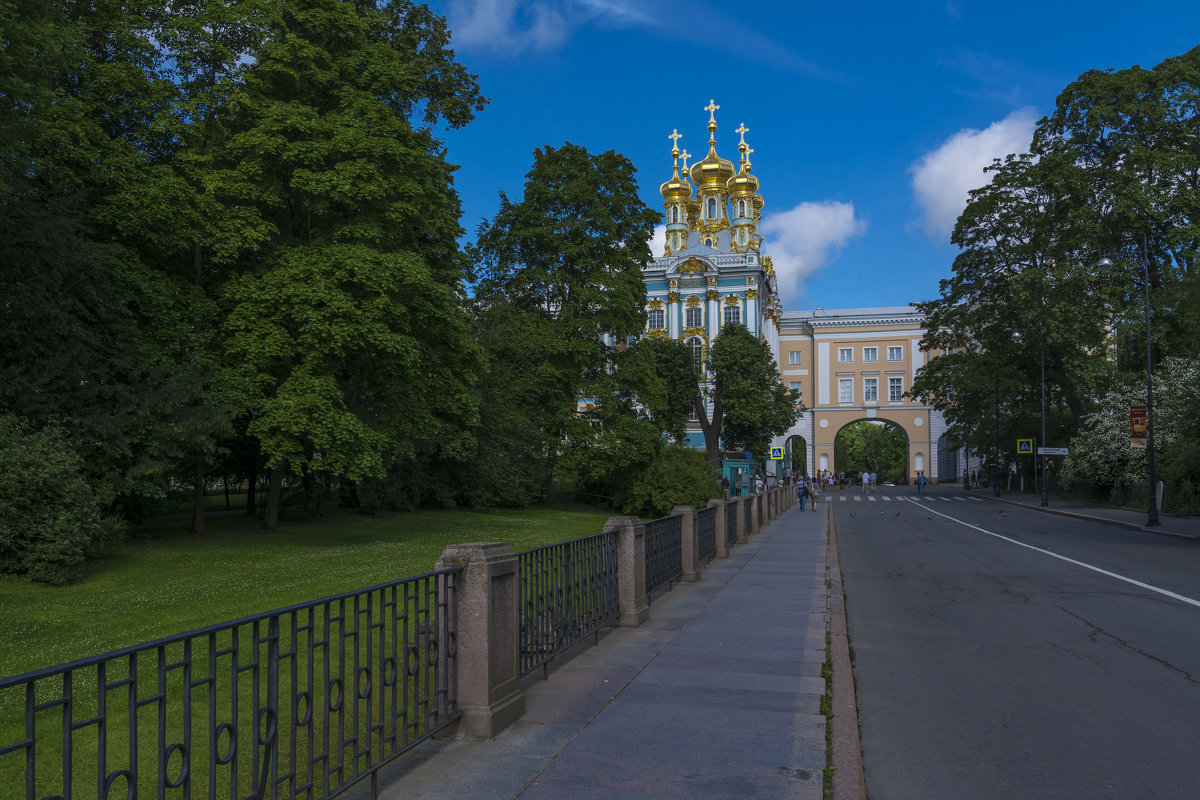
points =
(675, 136)
(685, 155)
(743, 130)
(711, 108)
(749, 150)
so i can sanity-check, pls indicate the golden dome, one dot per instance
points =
(676, 188)
(743, 182)
(712, 170)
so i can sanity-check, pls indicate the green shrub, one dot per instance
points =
(50, 520)
(681, 476)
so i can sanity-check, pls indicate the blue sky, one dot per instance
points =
(869, 121)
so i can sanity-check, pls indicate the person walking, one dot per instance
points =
(802, 491)
(815, 494)
(920, 483)
(874, 478)
(864, 482)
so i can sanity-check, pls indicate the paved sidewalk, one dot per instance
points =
(1134, 519)
(716, 696)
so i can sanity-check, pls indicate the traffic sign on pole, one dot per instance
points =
(1052, 451)
(1024, 446)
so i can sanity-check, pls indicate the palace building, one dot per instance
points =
(848, 365)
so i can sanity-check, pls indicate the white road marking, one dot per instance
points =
(1164, 592)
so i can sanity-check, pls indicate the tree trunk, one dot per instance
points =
(251, 487)
(711, 429)
(271, 507)
(198, 486)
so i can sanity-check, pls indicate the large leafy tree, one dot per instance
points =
(567, 262)
(346, 335)
(750, 404)
(1112, 172)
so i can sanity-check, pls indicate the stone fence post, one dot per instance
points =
(488, 668)
(740, 515)
(722, 528)
(690, 541)
(631, 569)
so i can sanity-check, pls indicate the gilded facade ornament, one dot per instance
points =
(733, 300)
(712, 280)
(692, 301)
(692, 265)
(673, 283)
(751, 294)
(655, 304)
(673, 297)
(656, 333)
(699, 331)
(750, 281)
(713, 294)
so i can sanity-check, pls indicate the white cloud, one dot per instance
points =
(508, 26)
(942, 179)
(805, 238)
(658, 241)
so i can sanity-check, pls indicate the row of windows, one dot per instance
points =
(846, 354)
(692, 318)
(870, 390)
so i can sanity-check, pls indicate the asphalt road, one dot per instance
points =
(989, 666)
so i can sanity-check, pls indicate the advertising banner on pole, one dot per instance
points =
(1137, 427)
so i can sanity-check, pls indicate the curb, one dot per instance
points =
(1133, 526)
(849, 781)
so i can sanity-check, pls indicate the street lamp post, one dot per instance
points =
(1106, 264)
(1042, 353)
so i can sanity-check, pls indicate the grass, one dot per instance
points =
(165, 581)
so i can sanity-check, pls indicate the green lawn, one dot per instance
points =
(162, 580)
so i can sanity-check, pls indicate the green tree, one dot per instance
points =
(50, 520)
(567, 261)
(679, 476)
(346, 337)
(872, 447)
(750, 403)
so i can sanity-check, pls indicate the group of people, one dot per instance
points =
(808, 487)
(974, 480)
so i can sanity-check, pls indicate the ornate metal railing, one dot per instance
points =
(664, 552)
(568, 591)
(706, 531)
(301, 702)
(730, 523)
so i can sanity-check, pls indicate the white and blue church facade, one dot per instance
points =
(847, 365)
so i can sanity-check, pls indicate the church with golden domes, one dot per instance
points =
(847, 364)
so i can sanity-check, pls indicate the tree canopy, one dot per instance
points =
(1113, 172)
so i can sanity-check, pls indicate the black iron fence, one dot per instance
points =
(301, 702)
(730, 524)
(748, 513)
(568, 591)
(664, 552)
(706, 531)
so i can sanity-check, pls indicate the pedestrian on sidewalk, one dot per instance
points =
(874, 478)
(802, 491)
(815, 495)
(864, 482)
(920, 482)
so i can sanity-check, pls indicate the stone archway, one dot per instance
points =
(877, 445)
(796, 453)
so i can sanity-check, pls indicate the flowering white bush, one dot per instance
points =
(1100, 451)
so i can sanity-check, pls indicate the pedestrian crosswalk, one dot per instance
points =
(871, 498)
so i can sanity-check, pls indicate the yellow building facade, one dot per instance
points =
(858, 364)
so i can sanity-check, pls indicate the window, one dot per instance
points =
(693, 317)
(674, 213)
(845, 390)
(794, 356)
(712, 208)
(656, 320)
(733, 314)
(870, 354)
(895, 354)
(845, 354)
(895, 390)
(697, 351)
(870, 390)
(946, 351)
(741, 208)
(798, 388)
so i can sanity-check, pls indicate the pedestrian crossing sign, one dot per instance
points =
(777, 454)
(1025, 446)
